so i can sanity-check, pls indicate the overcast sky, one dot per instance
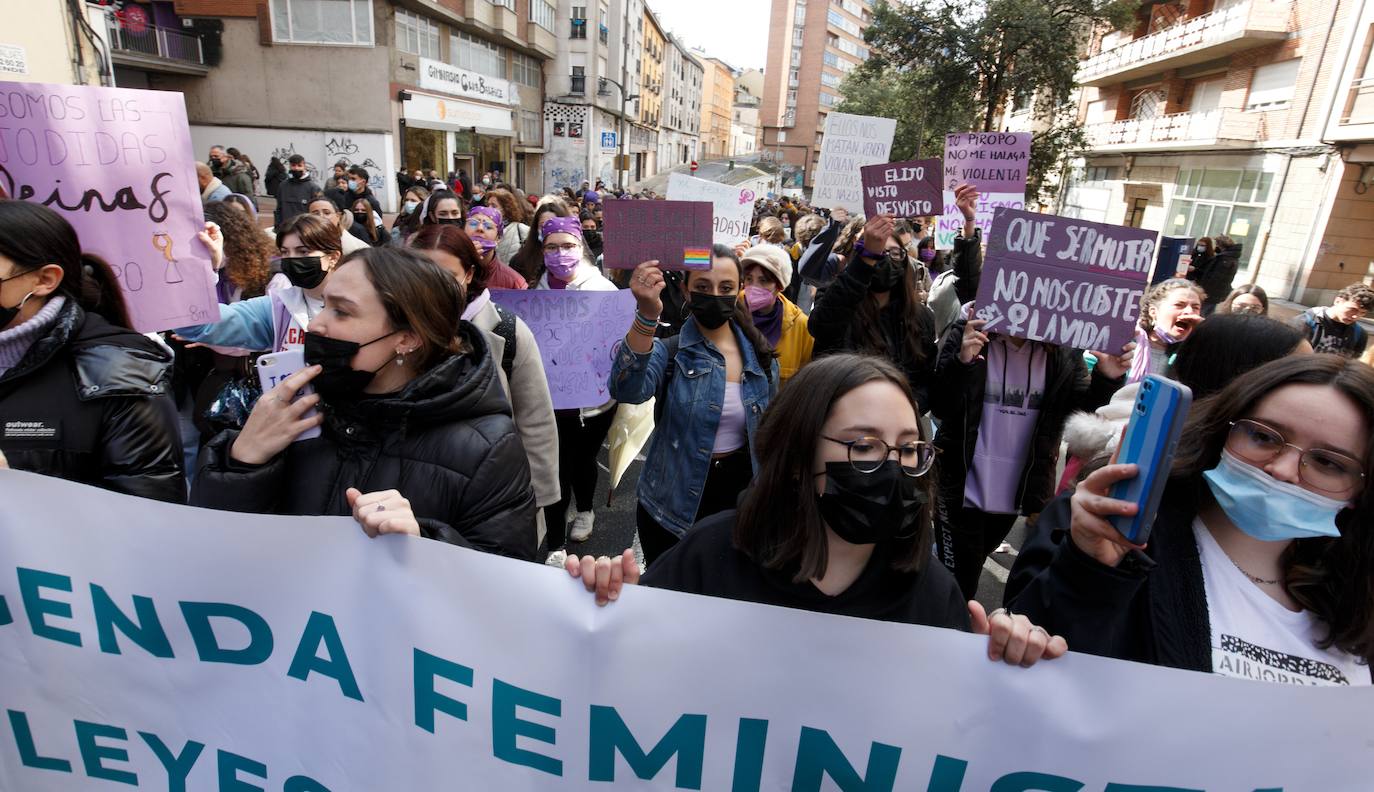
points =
(736, 31)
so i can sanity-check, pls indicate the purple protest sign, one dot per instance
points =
(904, 189)
(996, 162)
(577, 332)
(117, 163)
(1064, 281)
(676, 234)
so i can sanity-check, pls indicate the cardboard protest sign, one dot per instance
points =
(676, 234)
(849, 143)
(167, 650)
(732, 208)
(117, 163)
(576, 332)
(1064, 281)
(997, 164)
(903, 189)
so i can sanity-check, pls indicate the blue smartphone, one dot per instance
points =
(275, 367)
(1161, 406)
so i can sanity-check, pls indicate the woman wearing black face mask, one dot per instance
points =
(365, 227)
(712, 381)
(591, 234)
(310, 248)
(443, 208)
(872, 308)
(417, 432)
(838, 519)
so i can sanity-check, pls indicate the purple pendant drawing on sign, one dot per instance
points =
(117, 163)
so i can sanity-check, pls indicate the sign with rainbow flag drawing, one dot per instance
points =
(676, 234)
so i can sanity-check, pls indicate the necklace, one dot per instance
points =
(1258, 580)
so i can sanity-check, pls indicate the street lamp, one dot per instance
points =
(624, 100)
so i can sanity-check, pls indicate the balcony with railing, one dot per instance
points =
(1213, 129)
(1244, 25)
(157, 49)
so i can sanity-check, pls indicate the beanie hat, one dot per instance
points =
(772, 258)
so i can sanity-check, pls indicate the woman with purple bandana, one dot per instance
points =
(580, 431)
(484, 226)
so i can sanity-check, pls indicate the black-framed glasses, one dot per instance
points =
(1328, 471)
(867, 454)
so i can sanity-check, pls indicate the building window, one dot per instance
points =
(847, 25)
(579, 23)
(579, 80)
(1211, 202)
(504, 3)
(531, 128)
(416, 34)
(832, 80)
(525, 70)
(829, 100)
(466, 51)
(542, 13)
(322, 22)
(800, 16)
(1272, 86)
(851, 48)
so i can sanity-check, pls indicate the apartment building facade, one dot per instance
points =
(717, 107)
(1210, 117)
(653, 62)
(383, 84)
(679, 138)
(51, 46)
(812, 45)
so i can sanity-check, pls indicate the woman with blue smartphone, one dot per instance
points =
(1259, 563)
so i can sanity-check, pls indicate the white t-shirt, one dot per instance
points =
(1254, 637)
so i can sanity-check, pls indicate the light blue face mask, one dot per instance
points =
(1268, 509)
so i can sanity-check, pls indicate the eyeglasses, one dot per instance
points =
(867, 454)
(1327, 471)
(478, 225)
(565, 247)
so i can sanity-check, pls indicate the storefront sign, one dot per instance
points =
(433, 112)
(438, 76)
(1064, 281)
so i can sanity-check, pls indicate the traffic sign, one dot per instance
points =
(608, 140)
(694, 166)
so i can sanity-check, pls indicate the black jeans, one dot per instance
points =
(726, 479)
(579, 443)
(966, 540)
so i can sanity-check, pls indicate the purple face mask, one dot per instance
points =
(561, 264)
(927, 254)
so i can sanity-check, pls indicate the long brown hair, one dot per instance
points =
(529, 259)
(419, 296)
(247, 250)
(918, 324)
(456, 243)
(316, 233)
(779, 524)
(513, 210)
(1331, 577)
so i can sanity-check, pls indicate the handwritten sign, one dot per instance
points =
(732, 208)
(117, 163)
(903, 189)
(576, 332)
(1064, 281)
(997, 164)
(850, 142)
(676, 234)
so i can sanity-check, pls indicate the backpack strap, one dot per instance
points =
(661, 398)
(506, 329)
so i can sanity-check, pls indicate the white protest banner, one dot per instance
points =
(849, 143)
(165, 647)
(732, 208)
(997, 164)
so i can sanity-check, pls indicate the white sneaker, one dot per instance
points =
(581, 526)
(557, 558)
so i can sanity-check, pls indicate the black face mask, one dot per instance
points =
(887, 274)
(305, 272)
(299, 175)
(866, 508)
(712, 311)
(338, 380)
(592, 238)
(453, 221)
(7, 314)
(361, 218)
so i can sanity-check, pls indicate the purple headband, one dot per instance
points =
(564, 225)
(493, 213)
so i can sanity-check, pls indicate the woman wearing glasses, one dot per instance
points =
(837, 520)
(1260, 563)
(483, 227)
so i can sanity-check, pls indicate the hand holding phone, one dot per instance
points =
(276, 367)
(1151, 437)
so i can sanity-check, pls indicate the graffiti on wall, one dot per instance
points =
(342, 148)
(287, 151)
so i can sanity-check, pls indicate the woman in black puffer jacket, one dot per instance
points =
(81, 396)
(417, 433)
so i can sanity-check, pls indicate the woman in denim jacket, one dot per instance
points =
(713, 382)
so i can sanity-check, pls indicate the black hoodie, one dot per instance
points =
(446, 442)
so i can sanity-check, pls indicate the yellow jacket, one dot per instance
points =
(794, 345)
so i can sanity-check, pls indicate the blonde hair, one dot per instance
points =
(770, 230)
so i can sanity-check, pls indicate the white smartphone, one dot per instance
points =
(274, 368)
